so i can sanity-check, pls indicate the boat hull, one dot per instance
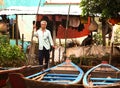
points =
(25, 70)
(102, 76)
(64, 73)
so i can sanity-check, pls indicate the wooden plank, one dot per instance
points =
(59, 78)
(106, 79)
(103, 74)
(105, 68)
(64, 71)
(66, 75)
(65, 68)
(101, 83)
(57, 81)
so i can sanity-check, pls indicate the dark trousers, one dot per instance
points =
(44, 54)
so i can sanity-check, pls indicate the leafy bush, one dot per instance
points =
(97, 38)
(117, 36)
(11, 55)
(4, 38)
(74, 59)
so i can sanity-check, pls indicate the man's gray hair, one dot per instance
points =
(43, 22)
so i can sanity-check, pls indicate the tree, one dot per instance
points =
(104, 8)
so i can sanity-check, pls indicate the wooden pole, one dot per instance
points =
(22, 42)
(54, 37)
(32, 48)
(111, 53)
(13, 31)
(16, 29)
(103, 31)
(59, 49)
(66, 31)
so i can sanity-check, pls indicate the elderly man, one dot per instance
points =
(45, 41)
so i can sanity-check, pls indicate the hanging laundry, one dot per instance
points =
(58, 18)
(81, 27)
(74, 21)
(93, 26)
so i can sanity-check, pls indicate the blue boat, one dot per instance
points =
(64, 73)
(102, 76)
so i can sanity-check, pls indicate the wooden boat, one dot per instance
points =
(25, 70)
(17, 80)
(102, 76)
(64, 73)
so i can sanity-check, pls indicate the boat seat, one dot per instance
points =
(62, 75)
(101, 83)
(65, 71)
(106, 79)
(60, 78)
(57, 81)
(104, 74)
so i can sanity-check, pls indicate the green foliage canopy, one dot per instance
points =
(105, 8)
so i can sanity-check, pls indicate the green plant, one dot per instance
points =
(89, 60)
(117, 36)
(97, 38)
(103, 8)
(74, 59)
(11, 55)
(4, 38)
(105, 57)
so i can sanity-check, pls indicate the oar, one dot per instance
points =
(39, 77)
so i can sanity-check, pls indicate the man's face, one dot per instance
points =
(43, 25)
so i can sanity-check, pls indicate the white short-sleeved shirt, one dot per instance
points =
(44, 38)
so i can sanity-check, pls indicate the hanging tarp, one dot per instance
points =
(73, 32)
(25, 25)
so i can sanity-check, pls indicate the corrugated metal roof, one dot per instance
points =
(63, 1)
(46, 9)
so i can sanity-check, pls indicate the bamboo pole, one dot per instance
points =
(23, 42)
(66, 30)
(54, 37)
(111, 53)
(32, 49)
(59, 49)
(13, 31)
(17, 29)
